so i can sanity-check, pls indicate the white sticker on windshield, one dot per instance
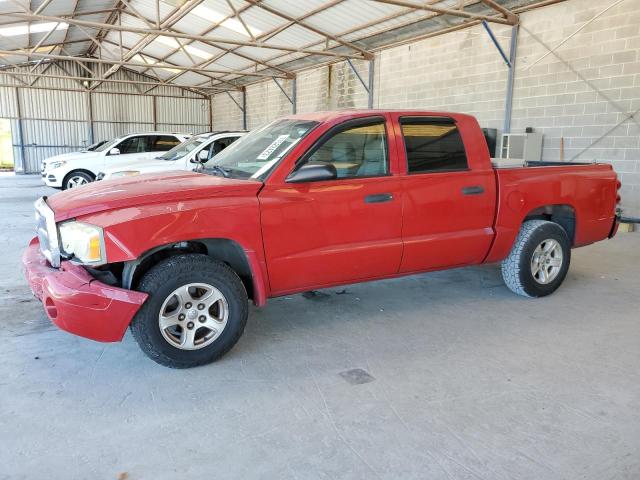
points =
(272, 148)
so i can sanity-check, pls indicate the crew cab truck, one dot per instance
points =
(306, 202)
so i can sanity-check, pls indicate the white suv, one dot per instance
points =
(198, 150)
(71, 170)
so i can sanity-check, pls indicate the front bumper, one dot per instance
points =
(78, 303)
(51, 180)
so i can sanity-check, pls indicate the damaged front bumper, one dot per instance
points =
(77, 302)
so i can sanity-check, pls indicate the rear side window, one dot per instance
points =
(433, 145)
(162, 143)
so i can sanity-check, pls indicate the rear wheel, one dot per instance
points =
(196, 311)
(539, 259)
(76, 179)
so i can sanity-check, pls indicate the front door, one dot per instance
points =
(336, 231)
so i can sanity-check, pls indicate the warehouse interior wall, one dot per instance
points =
(52, 116)
(584, 97)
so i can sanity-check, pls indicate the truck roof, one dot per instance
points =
(326, 116)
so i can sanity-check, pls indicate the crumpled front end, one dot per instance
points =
(78, 303)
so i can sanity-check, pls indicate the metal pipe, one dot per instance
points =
(508, 104)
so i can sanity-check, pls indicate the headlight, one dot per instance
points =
(83, 241)
(54, 165)
(125, 173)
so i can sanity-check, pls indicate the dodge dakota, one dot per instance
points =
(306, 202)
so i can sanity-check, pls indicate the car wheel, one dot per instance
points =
(76, 179)
(196, 311)
(539, 259)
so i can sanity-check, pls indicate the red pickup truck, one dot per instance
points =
(305, 202)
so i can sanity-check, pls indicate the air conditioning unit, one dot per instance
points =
(525, 146)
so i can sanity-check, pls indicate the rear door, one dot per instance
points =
(158, 144)
(448, 195)
(342, 230)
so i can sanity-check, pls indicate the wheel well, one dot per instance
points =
(221, 249)
(563, 215)
(82, 170)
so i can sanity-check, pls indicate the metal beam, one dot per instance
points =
(508, 14)
(165, 33)
(446, 11)
(275, 80)
(496, 43)
(366, 55)
(109, 80)
(9, 53)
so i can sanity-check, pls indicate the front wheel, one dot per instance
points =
(196, 311)
(76, 179)
(539, 259)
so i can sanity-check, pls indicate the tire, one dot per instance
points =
(539, 259)
(75, 179)
(172, 346)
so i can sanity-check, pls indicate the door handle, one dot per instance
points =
(474, 190)
(378, 198)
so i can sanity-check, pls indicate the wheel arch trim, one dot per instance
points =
(245, 262)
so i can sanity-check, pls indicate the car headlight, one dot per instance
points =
(54, 165)
(82, 241)
(125, 173)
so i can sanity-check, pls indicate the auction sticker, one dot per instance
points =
(272, 148)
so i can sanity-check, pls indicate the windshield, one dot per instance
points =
(95, 146)
(108, 145)
(184, 148)
(255, 154)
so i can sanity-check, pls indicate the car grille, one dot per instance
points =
(47, 232)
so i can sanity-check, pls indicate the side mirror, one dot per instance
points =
(313, 172)
(201, 157)
(114, 151)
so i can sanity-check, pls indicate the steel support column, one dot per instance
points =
(508, 104)
(294, 95)
(90, 118)
(372, 65)
(20, 133)
(244, 108)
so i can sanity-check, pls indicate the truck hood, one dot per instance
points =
(145, 189)
(145, 165)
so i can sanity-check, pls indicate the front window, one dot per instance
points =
(257, 153)
(185, 148)
(358, 151)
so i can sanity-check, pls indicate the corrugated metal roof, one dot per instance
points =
(220, 42)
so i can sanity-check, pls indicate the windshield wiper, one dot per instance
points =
(217, 170)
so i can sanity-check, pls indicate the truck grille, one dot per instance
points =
(47, 232)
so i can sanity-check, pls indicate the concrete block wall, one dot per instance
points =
(582, 97)
(461, 72)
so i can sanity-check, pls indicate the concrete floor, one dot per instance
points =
(469, 382)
